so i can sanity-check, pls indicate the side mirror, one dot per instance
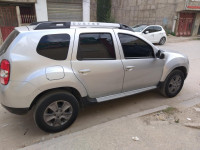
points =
(146, 32)
(160, 55)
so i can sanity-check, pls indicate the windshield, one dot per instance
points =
(139, 28)
(8, 41)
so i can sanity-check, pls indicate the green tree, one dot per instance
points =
(104, 11)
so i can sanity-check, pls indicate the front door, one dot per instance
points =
(186, 21)
(150, 35)
(96, 62)
(142, 69)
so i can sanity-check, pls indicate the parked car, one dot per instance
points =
(56, 68)
(153, 33)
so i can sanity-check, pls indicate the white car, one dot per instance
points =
(153, 33)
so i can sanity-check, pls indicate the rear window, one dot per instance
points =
(96, 46)
(54, 46)
(8, 41)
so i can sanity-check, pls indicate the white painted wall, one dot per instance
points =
(41, 10)
(86, 10)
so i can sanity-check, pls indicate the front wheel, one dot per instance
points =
(173, 84)
(56, 111)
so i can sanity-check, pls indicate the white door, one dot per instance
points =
(150, 35)
(96, 62)
(142, 68)
(158, 34)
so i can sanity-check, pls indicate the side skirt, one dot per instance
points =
(120, 95)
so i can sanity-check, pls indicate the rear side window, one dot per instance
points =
(8, 41)
(54, 46)
(96, 46)
(135, 48)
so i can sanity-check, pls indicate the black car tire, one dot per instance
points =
(162, 41)
(48, 100)
(169, 87)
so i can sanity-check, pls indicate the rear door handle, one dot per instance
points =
(129, 68)
(84, 71)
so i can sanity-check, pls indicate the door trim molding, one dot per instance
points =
(124, 94)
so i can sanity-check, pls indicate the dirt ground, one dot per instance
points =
(189, 117)
(166, 130)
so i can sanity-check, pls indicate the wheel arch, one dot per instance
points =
(72, 90)
(181, 68)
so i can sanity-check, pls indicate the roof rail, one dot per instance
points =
(36, 23)
(61, 25)
(94, 25)
(52, 25)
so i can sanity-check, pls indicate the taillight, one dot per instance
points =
(5, 72)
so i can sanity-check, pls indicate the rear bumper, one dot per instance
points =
(17, 111)
(17, 94)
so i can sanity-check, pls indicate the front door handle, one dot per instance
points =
(84, 71)
(129, 68)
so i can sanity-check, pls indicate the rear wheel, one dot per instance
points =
(173, 84)
(162, 41)
(56, 111)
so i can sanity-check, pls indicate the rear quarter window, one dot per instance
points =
(54, 46)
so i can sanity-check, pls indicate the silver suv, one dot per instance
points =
(58, 67)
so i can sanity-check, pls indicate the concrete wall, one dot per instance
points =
(132, 12)
(86, 10)
(93, 10)
(196, 24)
(41, 10)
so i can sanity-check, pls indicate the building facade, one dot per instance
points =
(15, 13)
(182, 17)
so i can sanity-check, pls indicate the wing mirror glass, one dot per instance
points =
(160, 54)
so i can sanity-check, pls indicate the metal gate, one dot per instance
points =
(64, 10)
(186, 21)
(8, 20)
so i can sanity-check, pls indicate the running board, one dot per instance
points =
(115, 96)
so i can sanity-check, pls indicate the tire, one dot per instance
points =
(172, 84)
(56, 111)
(162, 41)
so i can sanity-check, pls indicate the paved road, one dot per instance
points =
(19, 131)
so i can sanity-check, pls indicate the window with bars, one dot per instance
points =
(27, 14)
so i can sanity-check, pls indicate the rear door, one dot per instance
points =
(158, 33)
(96, 62)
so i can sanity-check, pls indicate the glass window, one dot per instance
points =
(54, 46)
(134, 47)
(139, 28)
(96, 46)
(157, 28)
(150, 29)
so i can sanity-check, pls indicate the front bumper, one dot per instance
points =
(17, 111)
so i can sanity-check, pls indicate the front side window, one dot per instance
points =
(96, 46)
(135, 48)
(150, 29)
(54, 46)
